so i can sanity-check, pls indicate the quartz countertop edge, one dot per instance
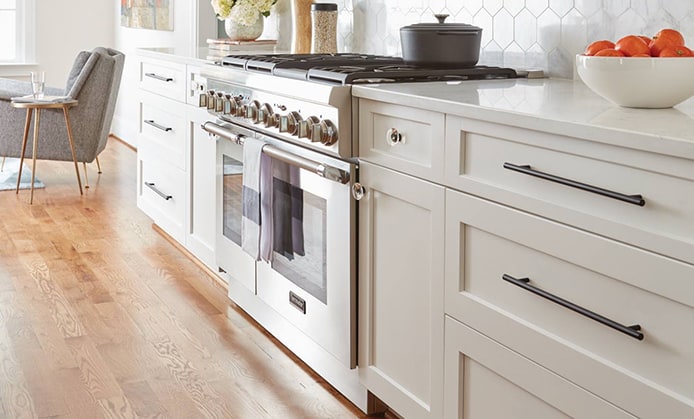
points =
(557, 106)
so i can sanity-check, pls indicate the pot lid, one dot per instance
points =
(440, 25)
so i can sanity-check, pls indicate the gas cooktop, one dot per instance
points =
(357, 68)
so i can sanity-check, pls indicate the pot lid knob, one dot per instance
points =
(441, 17)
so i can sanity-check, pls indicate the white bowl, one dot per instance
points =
(639, 82)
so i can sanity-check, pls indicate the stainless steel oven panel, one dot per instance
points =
(323, 101)
(230, 258)
(328, 319)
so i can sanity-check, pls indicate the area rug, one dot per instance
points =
(8, 176)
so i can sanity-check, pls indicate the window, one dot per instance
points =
(16, 31)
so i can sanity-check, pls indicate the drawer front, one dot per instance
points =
(163, 129)
(480, 373)
(402, 138)
(516, 264)
(164, 78)
(590, 185)
(161, 195)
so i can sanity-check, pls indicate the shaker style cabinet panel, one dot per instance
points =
(401, 229)
(634, 196)
(163, 129)
(161, 194)
(401, 138)
(202, 152)
(164, 78)
(484, 380)
(606, 316)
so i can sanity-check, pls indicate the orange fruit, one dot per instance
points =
(632, 45)
(677, 51)
(609, 52)
(646, 39)
(658, 45)
(596, 46)
(641, 56)
(672, 36)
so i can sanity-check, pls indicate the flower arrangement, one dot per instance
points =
(243, 12)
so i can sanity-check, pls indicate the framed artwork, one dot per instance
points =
(147, 14)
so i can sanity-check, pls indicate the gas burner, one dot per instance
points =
(402, 73)
(268, 63)
(354, 68)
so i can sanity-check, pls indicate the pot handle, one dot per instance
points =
(440, 17)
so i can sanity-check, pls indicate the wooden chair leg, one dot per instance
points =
(86, 176)
(98, 165)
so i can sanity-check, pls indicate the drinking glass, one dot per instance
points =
(38, 81)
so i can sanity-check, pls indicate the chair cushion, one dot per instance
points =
(82, 67)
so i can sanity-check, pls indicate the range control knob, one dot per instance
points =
(211, 99)
(219, 102)
(265, 115)
(289, 123)
(327, 132)
(253, 111)
(306, 127)
(230, 105)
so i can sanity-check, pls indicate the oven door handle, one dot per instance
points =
(322, 170)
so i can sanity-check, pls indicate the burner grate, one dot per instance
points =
(405, 74)
(348, 68)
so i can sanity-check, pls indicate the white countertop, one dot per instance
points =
(558, 106)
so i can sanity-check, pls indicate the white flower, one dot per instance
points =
(244, 12)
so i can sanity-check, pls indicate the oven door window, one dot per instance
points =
(300, 222)
(232, 207)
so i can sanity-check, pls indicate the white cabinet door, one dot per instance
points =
(401, 239)
(202, 156)
(486, 380)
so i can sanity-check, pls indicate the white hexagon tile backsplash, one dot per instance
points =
(543, 34)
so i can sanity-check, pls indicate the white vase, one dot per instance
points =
(238, 32)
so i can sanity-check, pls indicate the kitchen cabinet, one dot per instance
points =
(401, 230)
(202, 154)
(176, 170)
(568, 264)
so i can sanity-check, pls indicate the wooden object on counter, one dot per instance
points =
(301, 26)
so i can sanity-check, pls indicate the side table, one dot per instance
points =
(38, 106)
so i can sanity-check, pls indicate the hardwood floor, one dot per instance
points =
(99, 317)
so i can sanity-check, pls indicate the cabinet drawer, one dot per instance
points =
(479, 373)
(164, 78)
(624, 284)
(402, 138)
(161, 195)
(477, 152)
(163, 129)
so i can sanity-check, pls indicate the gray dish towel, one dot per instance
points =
(257, 173)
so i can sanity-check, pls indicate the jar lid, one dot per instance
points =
(440, 25)
(324, 7)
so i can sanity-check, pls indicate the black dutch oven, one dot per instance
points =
(441, 44)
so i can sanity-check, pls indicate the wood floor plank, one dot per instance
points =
(96, 376)
(14, 392)
(111, 321)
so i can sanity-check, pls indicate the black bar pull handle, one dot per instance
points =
(526, 169)
(158, 77)
(157, 126)
(151, 186)
(633, 331)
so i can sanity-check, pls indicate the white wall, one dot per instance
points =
(62, 31)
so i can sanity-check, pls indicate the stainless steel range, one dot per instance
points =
(300, 108)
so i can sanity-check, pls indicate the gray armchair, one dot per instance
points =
(94, 81)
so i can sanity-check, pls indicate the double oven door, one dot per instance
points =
(311, 278)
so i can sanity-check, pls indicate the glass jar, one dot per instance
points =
(323, 28)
